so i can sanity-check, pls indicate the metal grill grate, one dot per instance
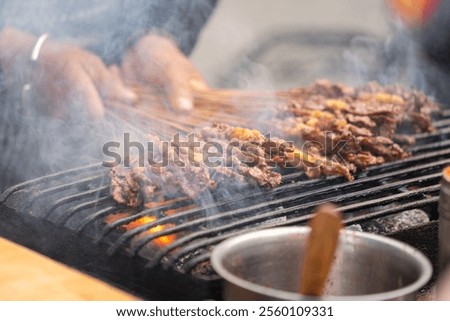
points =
(70, 209)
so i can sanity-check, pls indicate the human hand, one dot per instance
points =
(157, 62)
(63, 76)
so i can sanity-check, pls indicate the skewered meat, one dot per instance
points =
(366, 121)
(245, 160)
(336, 130)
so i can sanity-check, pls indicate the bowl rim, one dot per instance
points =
(221, 249)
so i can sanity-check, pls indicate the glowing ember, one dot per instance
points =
(180, 209)
(154, 204)
(160, 241)
(110, 219)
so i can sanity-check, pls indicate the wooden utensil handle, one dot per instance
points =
(320, 248)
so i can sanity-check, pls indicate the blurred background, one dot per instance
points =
(263, 44)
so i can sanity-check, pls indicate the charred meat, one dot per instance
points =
(356, 127)
(327, 129)
(245, 159)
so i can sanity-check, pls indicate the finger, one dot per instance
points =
(114, 88)
(115, 71)
(109, 83)
(182, 80)
(118, 75)
(178, 90)
(127, 71)
(181, 98)
(86, 93)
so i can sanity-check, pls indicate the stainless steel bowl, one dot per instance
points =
(265, 265)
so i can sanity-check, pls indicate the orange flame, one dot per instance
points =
(180, 209)
(160, 241)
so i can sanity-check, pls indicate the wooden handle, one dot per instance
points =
(320, 248)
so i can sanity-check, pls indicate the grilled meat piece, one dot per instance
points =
(337, 130)
(135, 185)
(364, 121)
(246, 160)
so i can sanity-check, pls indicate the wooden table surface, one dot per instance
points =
(27, 275)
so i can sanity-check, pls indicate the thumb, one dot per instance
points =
(181, 84)
(178, 89)
(117, 89)
(181, 97)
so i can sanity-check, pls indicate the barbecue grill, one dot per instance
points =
(71, 217)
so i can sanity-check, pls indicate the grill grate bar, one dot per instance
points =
(441, 123)
(94, 216)
(429, 147)
(396, 197)
(101, 191)
(397, 209)
(341, 188)
(62, 220)
(59, 188)
(194, 246)
(155, 211)
(432, 136)
(79, 171)
(205, 243)
(191, 264)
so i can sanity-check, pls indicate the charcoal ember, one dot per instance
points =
(398, 222)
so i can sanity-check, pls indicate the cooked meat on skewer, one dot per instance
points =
(361, 124)
(330, 129)
(245, 160)
(384, 111)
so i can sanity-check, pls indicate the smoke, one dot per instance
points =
(400, 58)
(394, 60)
(36, 144)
